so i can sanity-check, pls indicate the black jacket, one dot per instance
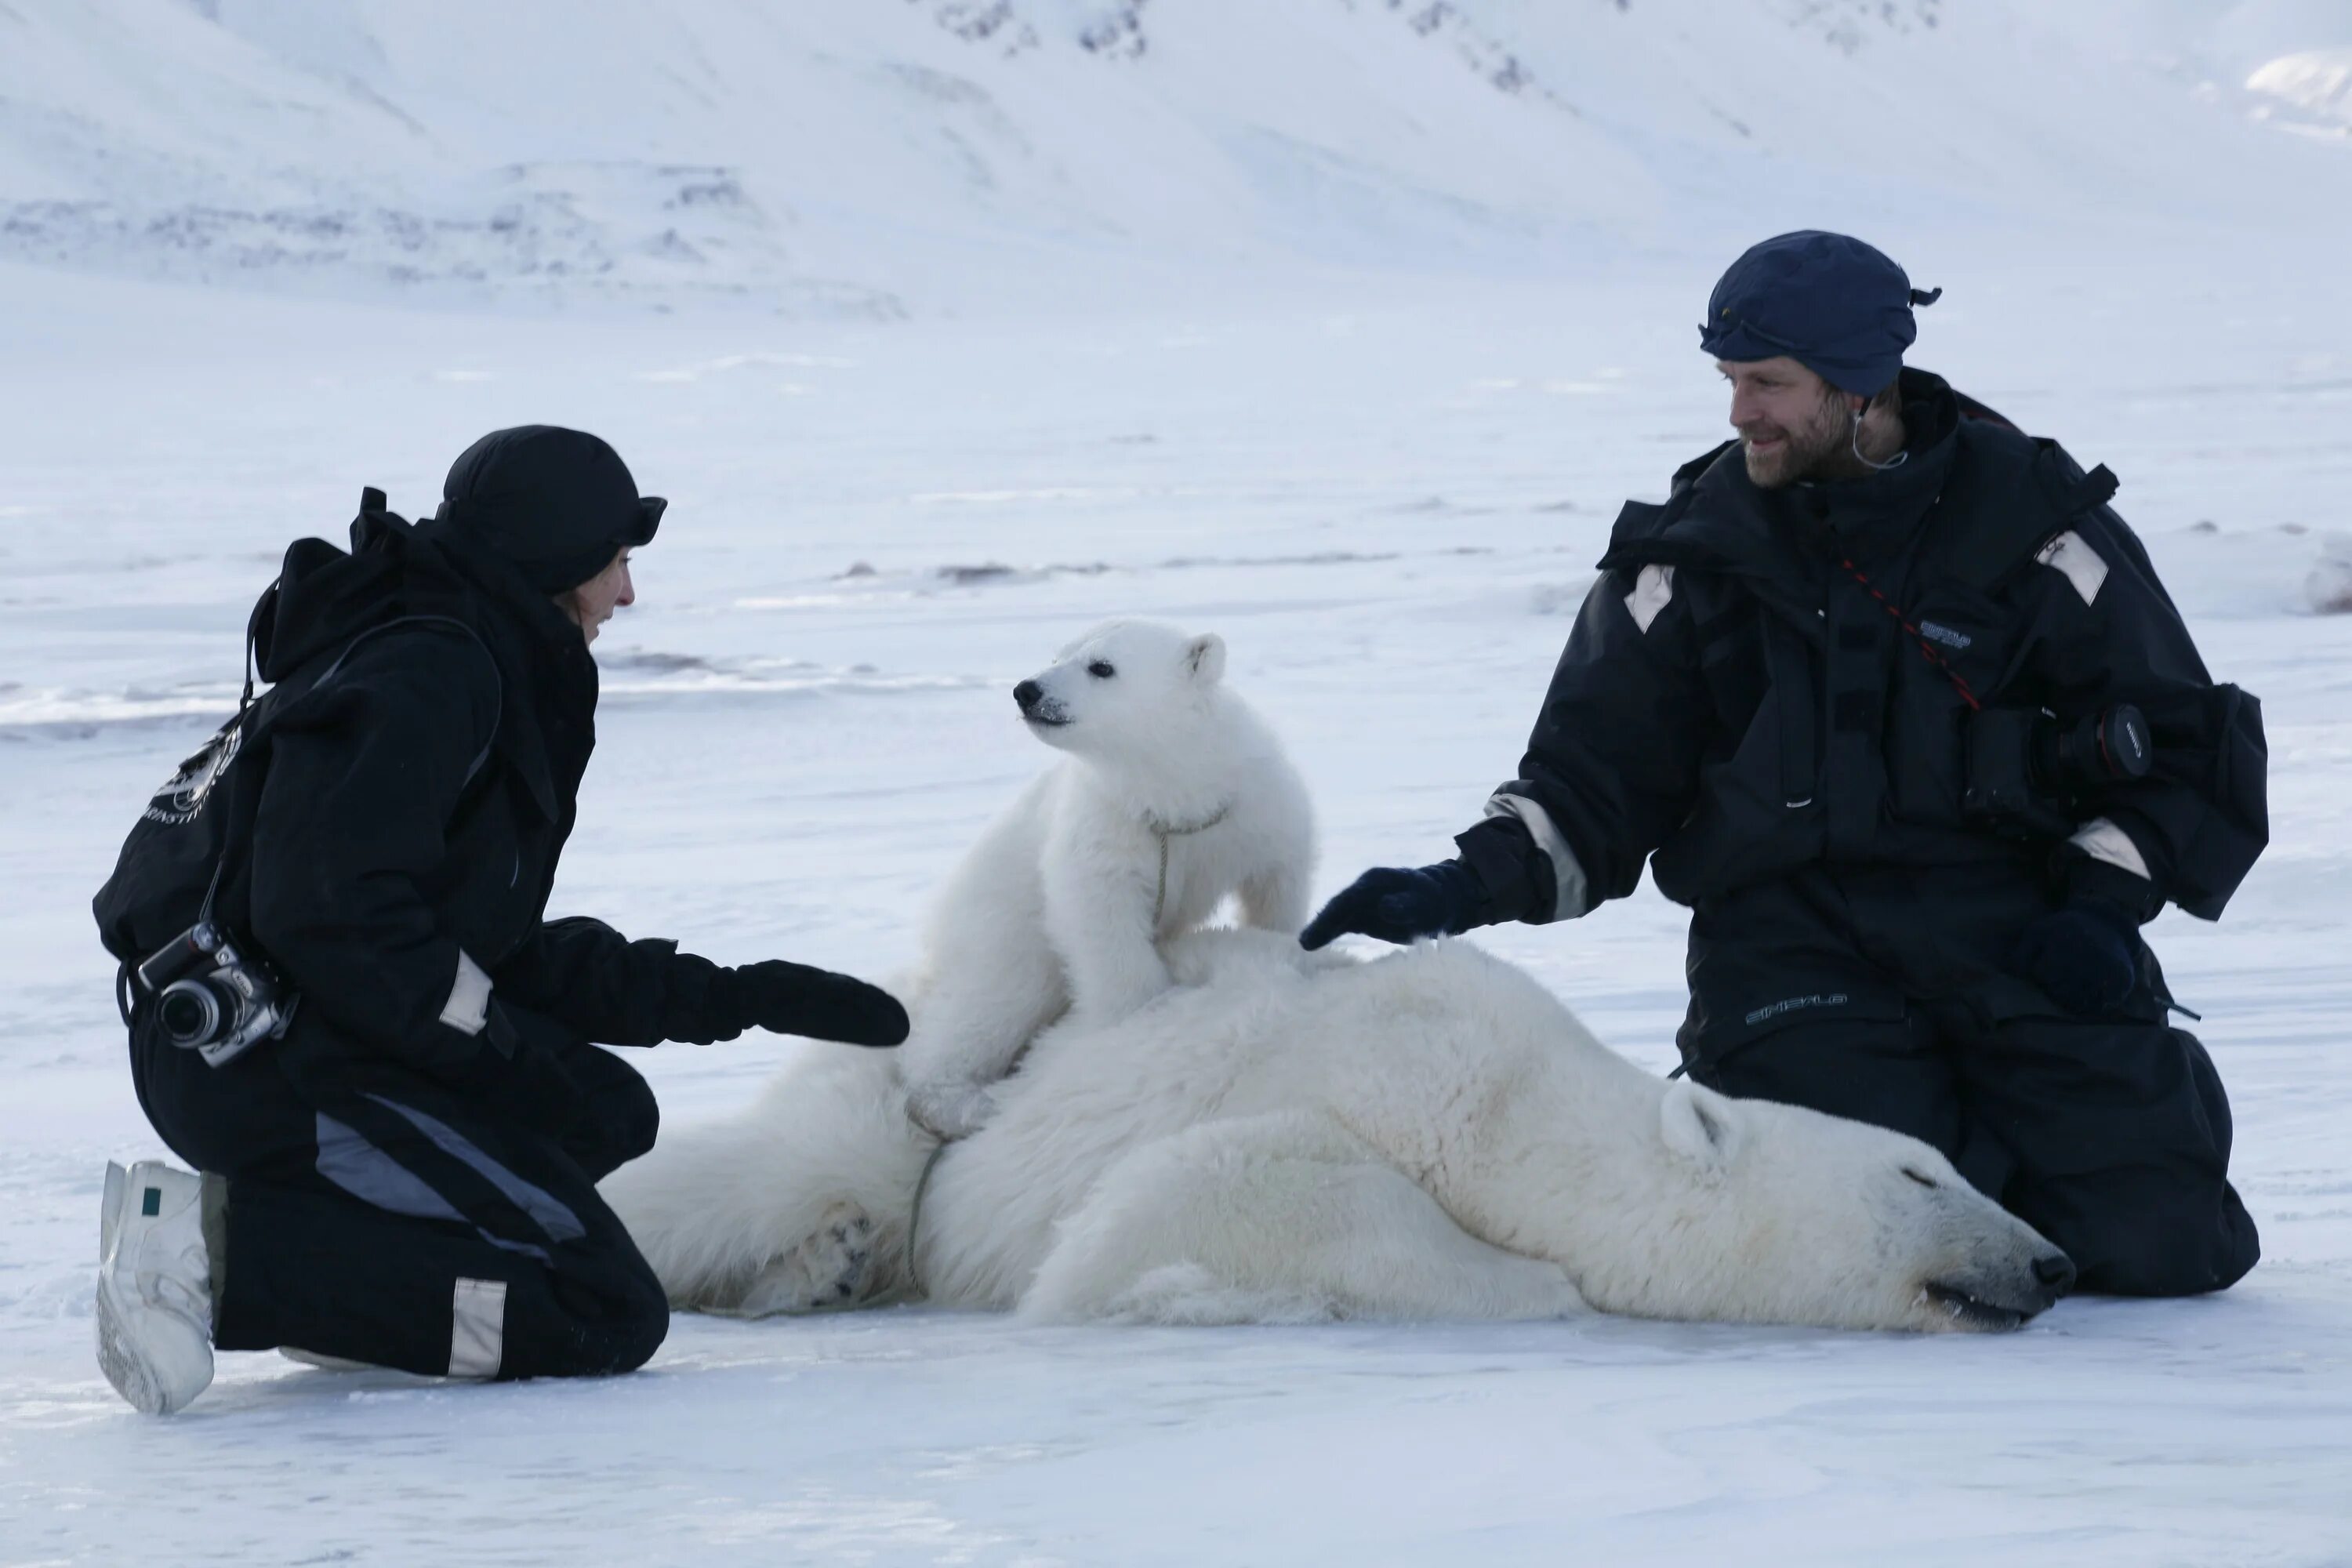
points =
(1767, 696)
(417, 763)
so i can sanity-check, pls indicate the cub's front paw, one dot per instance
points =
(950, 1110)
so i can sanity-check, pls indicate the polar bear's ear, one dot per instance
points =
(1205, 657)
(1700, 1125)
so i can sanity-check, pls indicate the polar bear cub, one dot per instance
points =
(1174, 796)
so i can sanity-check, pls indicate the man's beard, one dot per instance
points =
(1821, 448)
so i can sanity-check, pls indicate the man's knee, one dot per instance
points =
(2122, 1133)
(2128, 1240)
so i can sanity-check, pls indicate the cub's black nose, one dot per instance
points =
(1026, 694)
(2056, 1271)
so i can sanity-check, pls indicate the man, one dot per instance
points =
(1895, 703)
(397, 1163)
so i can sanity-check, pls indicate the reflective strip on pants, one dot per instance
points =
(477, 1327)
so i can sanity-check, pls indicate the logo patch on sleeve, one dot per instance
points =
(1653, 590)
(2082, 566)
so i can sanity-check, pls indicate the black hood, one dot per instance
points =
(324, 598)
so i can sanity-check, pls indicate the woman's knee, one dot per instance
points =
(619, 1118)
(616, 1330)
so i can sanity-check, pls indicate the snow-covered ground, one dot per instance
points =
(1390, 505)
(1341, 327)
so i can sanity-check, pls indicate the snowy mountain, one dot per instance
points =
(871, 157)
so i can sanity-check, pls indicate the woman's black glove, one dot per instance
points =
(1396, 903)
(792, 999)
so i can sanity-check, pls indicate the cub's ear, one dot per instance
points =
(1205, 657)
(1700, 1126)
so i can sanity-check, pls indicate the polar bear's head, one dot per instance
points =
(1668, 1200)
(1127, 689)
(1784, 1214)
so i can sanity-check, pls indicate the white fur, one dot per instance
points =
(1289, 1137)
(1059, 905)
(728, 1212)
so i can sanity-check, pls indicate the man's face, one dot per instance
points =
(1793, 425)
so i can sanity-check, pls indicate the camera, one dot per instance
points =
(211, 999)
(2028, 769)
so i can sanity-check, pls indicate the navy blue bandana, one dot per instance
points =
(1836, 305)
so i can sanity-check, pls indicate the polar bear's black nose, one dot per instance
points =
(1026, 694)
(2056, 1272)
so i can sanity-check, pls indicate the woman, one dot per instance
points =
(405, 1174)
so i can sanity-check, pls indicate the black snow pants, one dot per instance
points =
(2109, 1137)
(378, 1216)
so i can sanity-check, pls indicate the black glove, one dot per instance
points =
(793, 999)
(1396, 903)
(2085, 953)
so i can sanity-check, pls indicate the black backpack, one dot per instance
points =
(187, 858)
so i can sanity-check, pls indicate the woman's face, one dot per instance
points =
(593, 603)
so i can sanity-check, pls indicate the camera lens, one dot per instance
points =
(2092, 752)
(2125, 750)
(189, 1012)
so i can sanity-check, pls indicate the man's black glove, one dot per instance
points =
(2085, 953)
(792, 999)
(1397, 903)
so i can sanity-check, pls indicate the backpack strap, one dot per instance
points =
(264, 608)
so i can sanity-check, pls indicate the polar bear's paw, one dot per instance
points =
(826, 1271)
(952, 1110)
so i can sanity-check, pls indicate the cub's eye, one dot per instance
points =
(1101, 670)
(1923, 1181)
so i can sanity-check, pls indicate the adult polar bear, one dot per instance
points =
(1287, 1137)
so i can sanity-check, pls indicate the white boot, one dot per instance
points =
(155, 1287)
